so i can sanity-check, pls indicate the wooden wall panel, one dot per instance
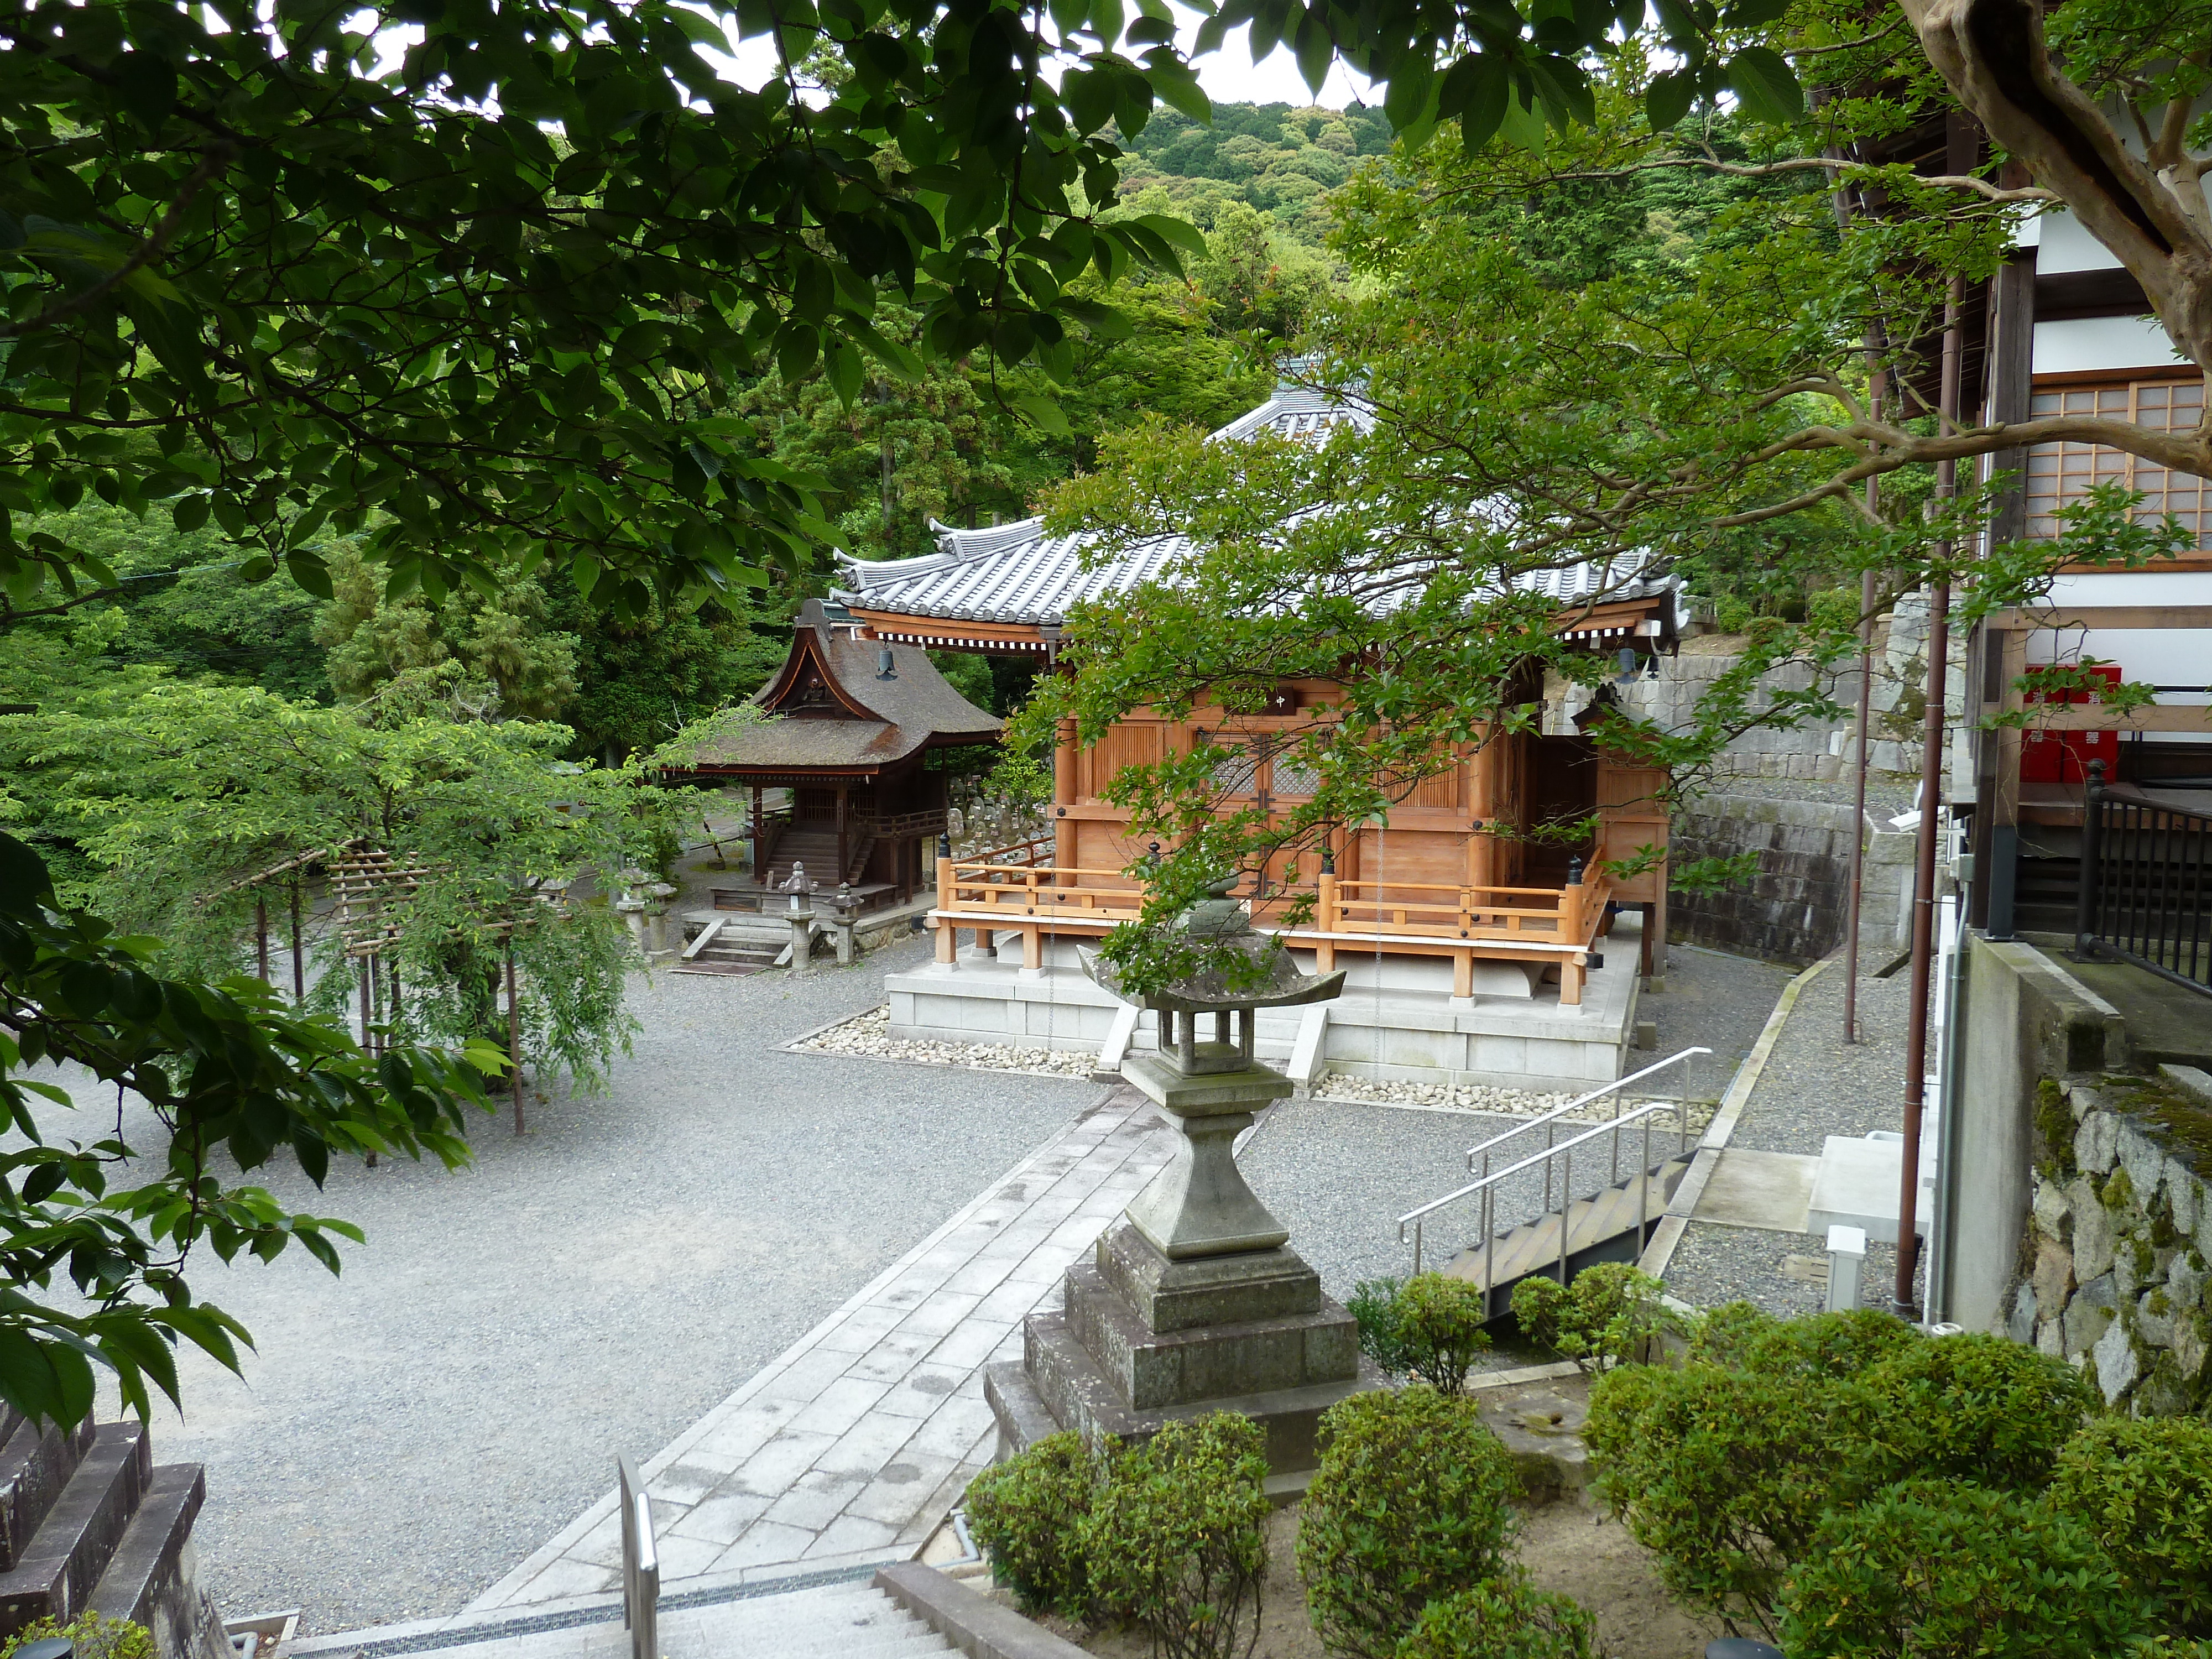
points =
(1132, 743)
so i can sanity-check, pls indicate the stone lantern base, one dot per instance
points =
(1143, 1339)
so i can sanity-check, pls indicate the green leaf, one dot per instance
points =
(1667, 99)
(189, 513)
(1762, 79)
(1045, 413)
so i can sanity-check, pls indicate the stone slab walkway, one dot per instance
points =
(850, 1446)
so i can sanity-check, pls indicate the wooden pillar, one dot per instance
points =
(760, 846)
(1033, 946)
(842, 790)
(261, 935)
(1570, 982)
(1463, 975)
(299, 963)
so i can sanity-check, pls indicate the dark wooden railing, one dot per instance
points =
(2146, 867)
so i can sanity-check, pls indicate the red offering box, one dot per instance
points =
(2064, 756)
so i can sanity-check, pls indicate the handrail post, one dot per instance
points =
(1566, 1204)
(2085, 897)
(1324, 902)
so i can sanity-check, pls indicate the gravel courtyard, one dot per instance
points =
(409, 1432)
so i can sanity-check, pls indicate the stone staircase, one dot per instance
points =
(88, 1523)
(850, 1620)
(1603, 1228)
(815, 846)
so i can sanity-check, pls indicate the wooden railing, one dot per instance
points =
(1552, 924)
(1037, 850)
(1007, 889)
(1557, 915)
(897, 825)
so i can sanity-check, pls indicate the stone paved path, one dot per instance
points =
(850, 1446)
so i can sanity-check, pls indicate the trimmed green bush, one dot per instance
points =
(1604, 1317)
(1428, 1327)
(1970, 1407)
(1177, 1535)
(1723, 1335)
(1723, 1475)
(1939, 1569)
(2143, 1486)
(1028, 1512)
(1506, 1619)
(1828, 1344)
(96, 1637)
(1411, 1504)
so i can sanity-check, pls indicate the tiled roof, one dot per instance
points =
(1014, 573)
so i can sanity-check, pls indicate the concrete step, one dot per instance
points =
(36, 1462)
(65, 1557)
(1601, 1228)
(149, 1578)
(843, 1621)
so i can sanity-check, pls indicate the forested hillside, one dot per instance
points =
(956, 445)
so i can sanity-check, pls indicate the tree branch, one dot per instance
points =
(213, 160)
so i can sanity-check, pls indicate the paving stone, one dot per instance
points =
(862, 1435)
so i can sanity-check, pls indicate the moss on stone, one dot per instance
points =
(2118, 1192)
(2183, 1122)
(2054, 1127)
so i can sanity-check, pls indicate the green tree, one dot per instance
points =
(180, 794)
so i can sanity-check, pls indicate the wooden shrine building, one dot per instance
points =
(852, 722)
(1451, 875)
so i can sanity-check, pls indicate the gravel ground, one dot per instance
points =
(1713, 1000)
(1491, 1103)
(1339, 1174)
(408, 1433)
(1815, 1084)
(1784, 1273)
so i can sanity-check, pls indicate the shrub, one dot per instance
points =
(1373, 1310)
(1722, 1475)
(1428, 1327)
(1177, 1535)
(1027, 1513)
(1723, 1335)
(96, 1636)
(2143, 1486)
(1970, 1407)
(1939, 1570)
(1505, 1618)
(1828, 1344)
(1411, 1504)
(1605, 1317)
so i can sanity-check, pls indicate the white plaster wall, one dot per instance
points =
(2163, 656)
(2084, 343)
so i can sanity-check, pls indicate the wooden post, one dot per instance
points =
(1570, 913)
(364, 1004)
(760, 846)
(261, 935)
(1570, 982)
(1033, 947)
(513, 1035)
(1463, 975)
(948, 941)
(839, 876)
(299, 963)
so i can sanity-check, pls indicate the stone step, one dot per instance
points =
(1597, 1230)
(64, 1558)
(149, 1578)
(36, 1462)
(844, 1621)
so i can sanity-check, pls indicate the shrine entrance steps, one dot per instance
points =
(1605, 1227)
(87, 1523)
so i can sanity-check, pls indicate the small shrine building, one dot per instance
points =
(853, 720)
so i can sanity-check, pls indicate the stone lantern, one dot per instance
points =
(1193, 1301)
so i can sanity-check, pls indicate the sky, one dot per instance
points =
(1228, 76)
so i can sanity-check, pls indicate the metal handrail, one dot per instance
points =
(1563, 1150)
(1594, 1094)
(641, 1568)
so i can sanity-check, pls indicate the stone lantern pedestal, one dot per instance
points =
(1193, 1302)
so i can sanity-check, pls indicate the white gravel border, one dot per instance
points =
(867, 1037)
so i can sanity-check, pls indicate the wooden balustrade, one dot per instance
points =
(1556, 924)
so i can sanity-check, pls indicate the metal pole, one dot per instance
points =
(1860, 747)
(513, 1035)
(1566, 1203)
(299, 963)
(1932, 815)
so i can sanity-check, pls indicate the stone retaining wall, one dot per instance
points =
(1794, 910)
(2113, 1272)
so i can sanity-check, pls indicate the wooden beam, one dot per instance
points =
(2100, 616)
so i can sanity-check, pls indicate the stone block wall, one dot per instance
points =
(1794, 910)
(2113, 1274)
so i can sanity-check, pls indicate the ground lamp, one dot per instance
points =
(1193, 1302)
